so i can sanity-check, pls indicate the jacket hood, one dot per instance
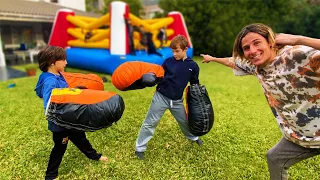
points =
(43, 77)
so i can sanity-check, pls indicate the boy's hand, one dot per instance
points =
(206, 58)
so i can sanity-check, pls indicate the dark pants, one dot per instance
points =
(60, 145)
(285, 154)
(131, 45)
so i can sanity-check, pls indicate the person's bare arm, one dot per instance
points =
(289, 39)
(225, 61)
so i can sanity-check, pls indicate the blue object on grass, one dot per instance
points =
(11, 85)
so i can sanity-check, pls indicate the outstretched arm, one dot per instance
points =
(225, 61)
(288, 39)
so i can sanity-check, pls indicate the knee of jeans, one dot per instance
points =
(148, 125)
(271, 157)
(152, 122)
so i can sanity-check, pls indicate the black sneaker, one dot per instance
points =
(199, 142)
(140, 155)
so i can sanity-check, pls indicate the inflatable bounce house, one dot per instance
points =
(102, 44)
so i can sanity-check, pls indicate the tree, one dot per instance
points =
(135, 6)
(213, 25)
(90, 6)
(306, 21)
(159, 15)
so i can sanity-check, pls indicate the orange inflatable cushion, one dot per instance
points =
(90, 81)
(127, 73)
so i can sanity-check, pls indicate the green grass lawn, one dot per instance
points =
(235, 148)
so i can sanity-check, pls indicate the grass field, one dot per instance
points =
(235, 148)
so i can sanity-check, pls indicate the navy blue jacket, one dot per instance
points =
(177, 74)
(48, 81)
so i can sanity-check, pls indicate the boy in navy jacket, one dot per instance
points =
(52, 61)
(179, 70)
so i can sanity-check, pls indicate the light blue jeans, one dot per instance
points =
(158, 106)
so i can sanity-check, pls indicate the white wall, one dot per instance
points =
(75, 4)
(2, 60)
